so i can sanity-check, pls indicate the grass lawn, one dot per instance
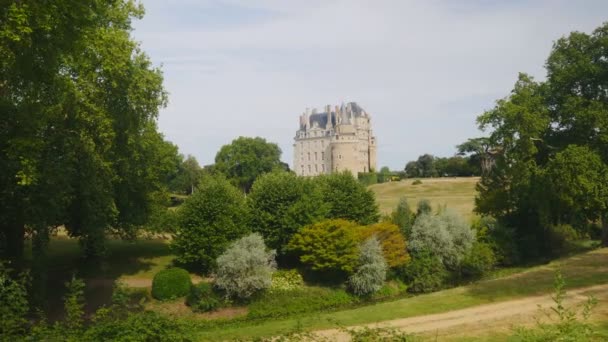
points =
(580, 270)
(456, 193)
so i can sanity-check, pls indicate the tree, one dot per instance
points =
(480, 153)
(207, 221)
(187, 177)
(384, 175)
(244, 159)
(330, 246)
(445, 236)
(348, 199)
(246, 267)
(281, 203)
(412, 170)
(403, 217)
(578, 186)
(78, 143)
(531, 133)
(426, 165)
(371, 273)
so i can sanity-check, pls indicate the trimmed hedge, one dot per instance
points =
(171, 283)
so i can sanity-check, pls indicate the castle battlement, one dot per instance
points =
(335, 140)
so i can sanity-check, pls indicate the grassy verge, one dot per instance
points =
(580, 270)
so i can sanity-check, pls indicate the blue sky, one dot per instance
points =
(423, 69)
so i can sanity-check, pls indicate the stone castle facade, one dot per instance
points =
(336, 140)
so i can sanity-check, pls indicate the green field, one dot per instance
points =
(455, 193)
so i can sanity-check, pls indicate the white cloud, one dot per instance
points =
(424, 69)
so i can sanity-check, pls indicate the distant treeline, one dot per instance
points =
(427, 165)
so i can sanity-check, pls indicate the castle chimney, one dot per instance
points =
(307, 118)
(329, 123)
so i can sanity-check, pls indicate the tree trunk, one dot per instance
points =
(14, 233)
(605, 230)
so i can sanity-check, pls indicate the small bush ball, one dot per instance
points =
(171, 283)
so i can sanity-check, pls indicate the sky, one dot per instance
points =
(424, 70)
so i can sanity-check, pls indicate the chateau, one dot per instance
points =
(334, 141)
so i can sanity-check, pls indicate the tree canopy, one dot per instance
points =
(244, 159)
(549, 145)
(79, 144)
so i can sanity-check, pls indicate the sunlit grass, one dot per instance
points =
(455, 193)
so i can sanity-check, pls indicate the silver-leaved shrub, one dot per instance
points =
(246, 267)
(371, 273)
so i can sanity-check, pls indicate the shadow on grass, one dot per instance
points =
(579, 271)
(123, 258)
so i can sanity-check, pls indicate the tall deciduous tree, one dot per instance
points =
(348, 199)
(550, 142)
(78, 143)
(208, 221)
(281, 203)
(244, 159)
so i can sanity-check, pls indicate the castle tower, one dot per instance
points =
(341, 140)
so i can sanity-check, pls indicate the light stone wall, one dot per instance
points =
(334, 141)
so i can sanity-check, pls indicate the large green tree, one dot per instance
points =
(348, 199)
(208, 221)
(549, 145)
(78, 141)
(244, 159)
(281, 203)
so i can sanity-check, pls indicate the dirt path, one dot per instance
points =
(523, 308)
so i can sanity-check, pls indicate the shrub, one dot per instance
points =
(425, 273)
(13, 304)
(246, 267)
(371, 273)
(445, 235)
(280, 204)
(208, 221)
(390, 289)
(500, 237)
(202, 298)
(286, 280)
(424, 207)
(477, 261)
(394, 248)
(403, 217)
(417, 182)
(560, 236)
(138, 326)
(280, 304)
(171, 283)
(347, 198)
(330, 246)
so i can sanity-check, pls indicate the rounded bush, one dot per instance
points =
(202, 298)
(171, 283)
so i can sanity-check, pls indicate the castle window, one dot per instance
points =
(323, 167)
(339, 156)
(302, 169)
(316, 168)
(315, 155)
(308, 156)
(322, 155)
(309, 169)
